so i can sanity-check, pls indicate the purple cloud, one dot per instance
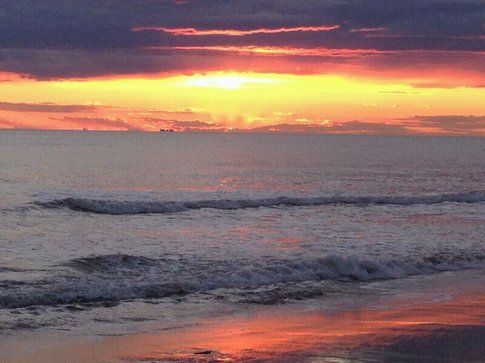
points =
(55, 39)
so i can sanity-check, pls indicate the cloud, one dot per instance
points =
(100, 123)
(194, 124)
(283, 51)
(431, 125)
(7, 124)
(236, 32)
(45, 107)
(77, 24)
(454, 124)
(350, 127)
(181, 125)
(305, 127)
(45, 64)
(463, 69)
(78, 38)
(184, 111)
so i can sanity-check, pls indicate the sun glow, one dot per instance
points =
(229, 100)
(226, 81)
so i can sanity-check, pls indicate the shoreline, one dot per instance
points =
(444, 325)
(355, 335)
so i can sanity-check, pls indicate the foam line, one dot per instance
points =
(119, 207)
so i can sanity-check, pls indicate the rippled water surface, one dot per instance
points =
(107, 228)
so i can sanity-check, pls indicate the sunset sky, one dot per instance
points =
(317, 66)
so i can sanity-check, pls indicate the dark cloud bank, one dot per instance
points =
(57, 39)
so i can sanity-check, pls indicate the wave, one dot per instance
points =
(112, 263)
(116, 278)
(114, 207)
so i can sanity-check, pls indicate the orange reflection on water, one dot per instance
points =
(272, 335)
(284, 333)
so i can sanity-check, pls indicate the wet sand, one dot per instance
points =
(449, 330)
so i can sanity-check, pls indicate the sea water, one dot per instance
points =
(99, 230)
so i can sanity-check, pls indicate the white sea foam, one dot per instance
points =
(120, 207)
(115, 278)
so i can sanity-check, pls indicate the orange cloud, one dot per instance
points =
(284, 51)
(103, 123)
(7, 124)
(368, 30)
(350, 127)
(449, 124)
(45, 107)
(182, 125)
(235, 32)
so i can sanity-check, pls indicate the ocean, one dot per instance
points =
(103, 231)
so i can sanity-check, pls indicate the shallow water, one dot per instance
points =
(111, 228)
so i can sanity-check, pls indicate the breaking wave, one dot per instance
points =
(115, 278)
(114, 207)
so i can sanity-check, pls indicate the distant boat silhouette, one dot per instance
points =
(167, 130)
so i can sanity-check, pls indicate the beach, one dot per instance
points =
(444, 323)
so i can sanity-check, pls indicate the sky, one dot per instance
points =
(309, 66)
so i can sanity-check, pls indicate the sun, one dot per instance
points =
(226, 81)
